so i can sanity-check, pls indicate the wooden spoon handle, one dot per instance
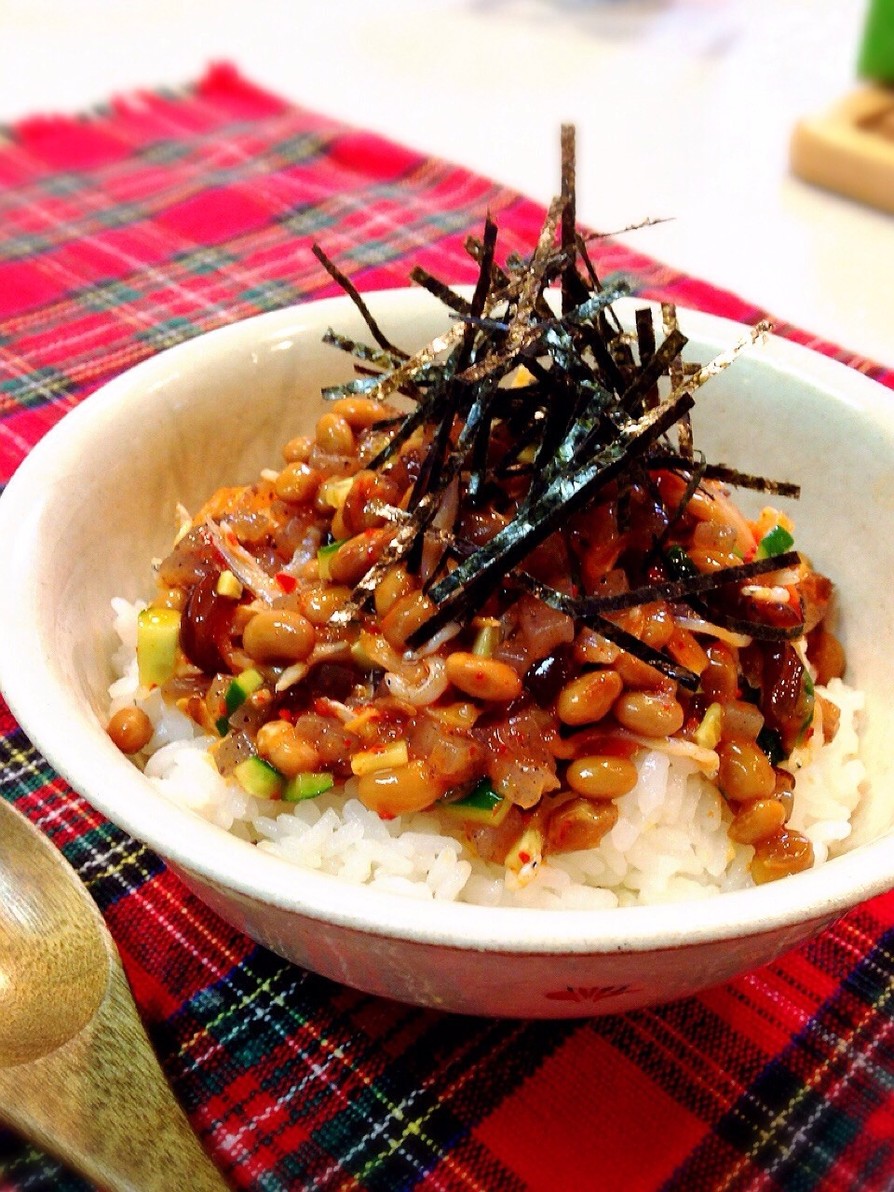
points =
(101, 1104)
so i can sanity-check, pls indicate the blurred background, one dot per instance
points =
(684, 111)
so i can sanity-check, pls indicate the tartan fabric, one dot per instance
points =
(160, 217)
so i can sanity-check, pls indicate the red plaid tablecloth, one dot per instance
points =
(167, 214)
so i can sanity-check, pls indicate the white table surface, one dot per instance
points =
(684, 109)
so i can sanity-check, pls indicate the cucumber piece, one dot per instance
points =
(807, 702)
(158, 636)
(324, 557)
(241, 688)
(307, 786)
(679, 563)
(774, 542)
(771, 742)
(483, 805)
(259, 778)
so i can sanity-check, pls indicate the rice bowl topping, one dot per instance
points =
(496, 631)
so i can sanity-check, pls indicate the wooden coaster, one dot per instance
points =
(851, 149)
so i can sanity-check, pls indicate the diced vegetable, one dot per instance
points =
(774, 542)
(259, 778)
(524, 857)
(335, 492)
(325, 555)
(487, 639)
(386, 757)
(241, 688)
(307, 786)
(771, 742)
(680, 564)
(808, 700)
(483, 805)
(286, 581)
(158, 636)
(708, 732)
(228, 585)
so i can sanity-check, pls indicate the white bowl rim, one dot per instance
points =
(217, 858)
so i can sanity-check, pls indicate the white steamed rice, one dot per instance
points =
(670, 842)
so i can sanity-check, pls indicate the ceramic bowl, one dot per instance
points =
(93, 504)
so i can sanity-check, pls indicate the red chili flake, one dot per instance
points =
(524, 857)
(287, 582)
(288, 715)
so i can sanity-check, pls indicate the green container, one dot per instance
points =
(876, 61)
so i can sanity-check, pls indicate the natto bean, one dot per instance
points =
(130, 729)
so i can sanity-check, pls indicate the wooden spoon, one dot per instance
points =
(78, 1076)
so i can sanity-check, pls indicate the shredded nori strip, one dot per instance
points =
(449, 297)
(466, 588)
(593, 610)
(759, 484)
(349, 288)
(760, 630)
(406, 429)
(378, 356)
(634, 397)
(571, 282)
(727, 475)
(615, 633)
(645, 334)
(697, 470)
(599, 405)
(676, 590)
